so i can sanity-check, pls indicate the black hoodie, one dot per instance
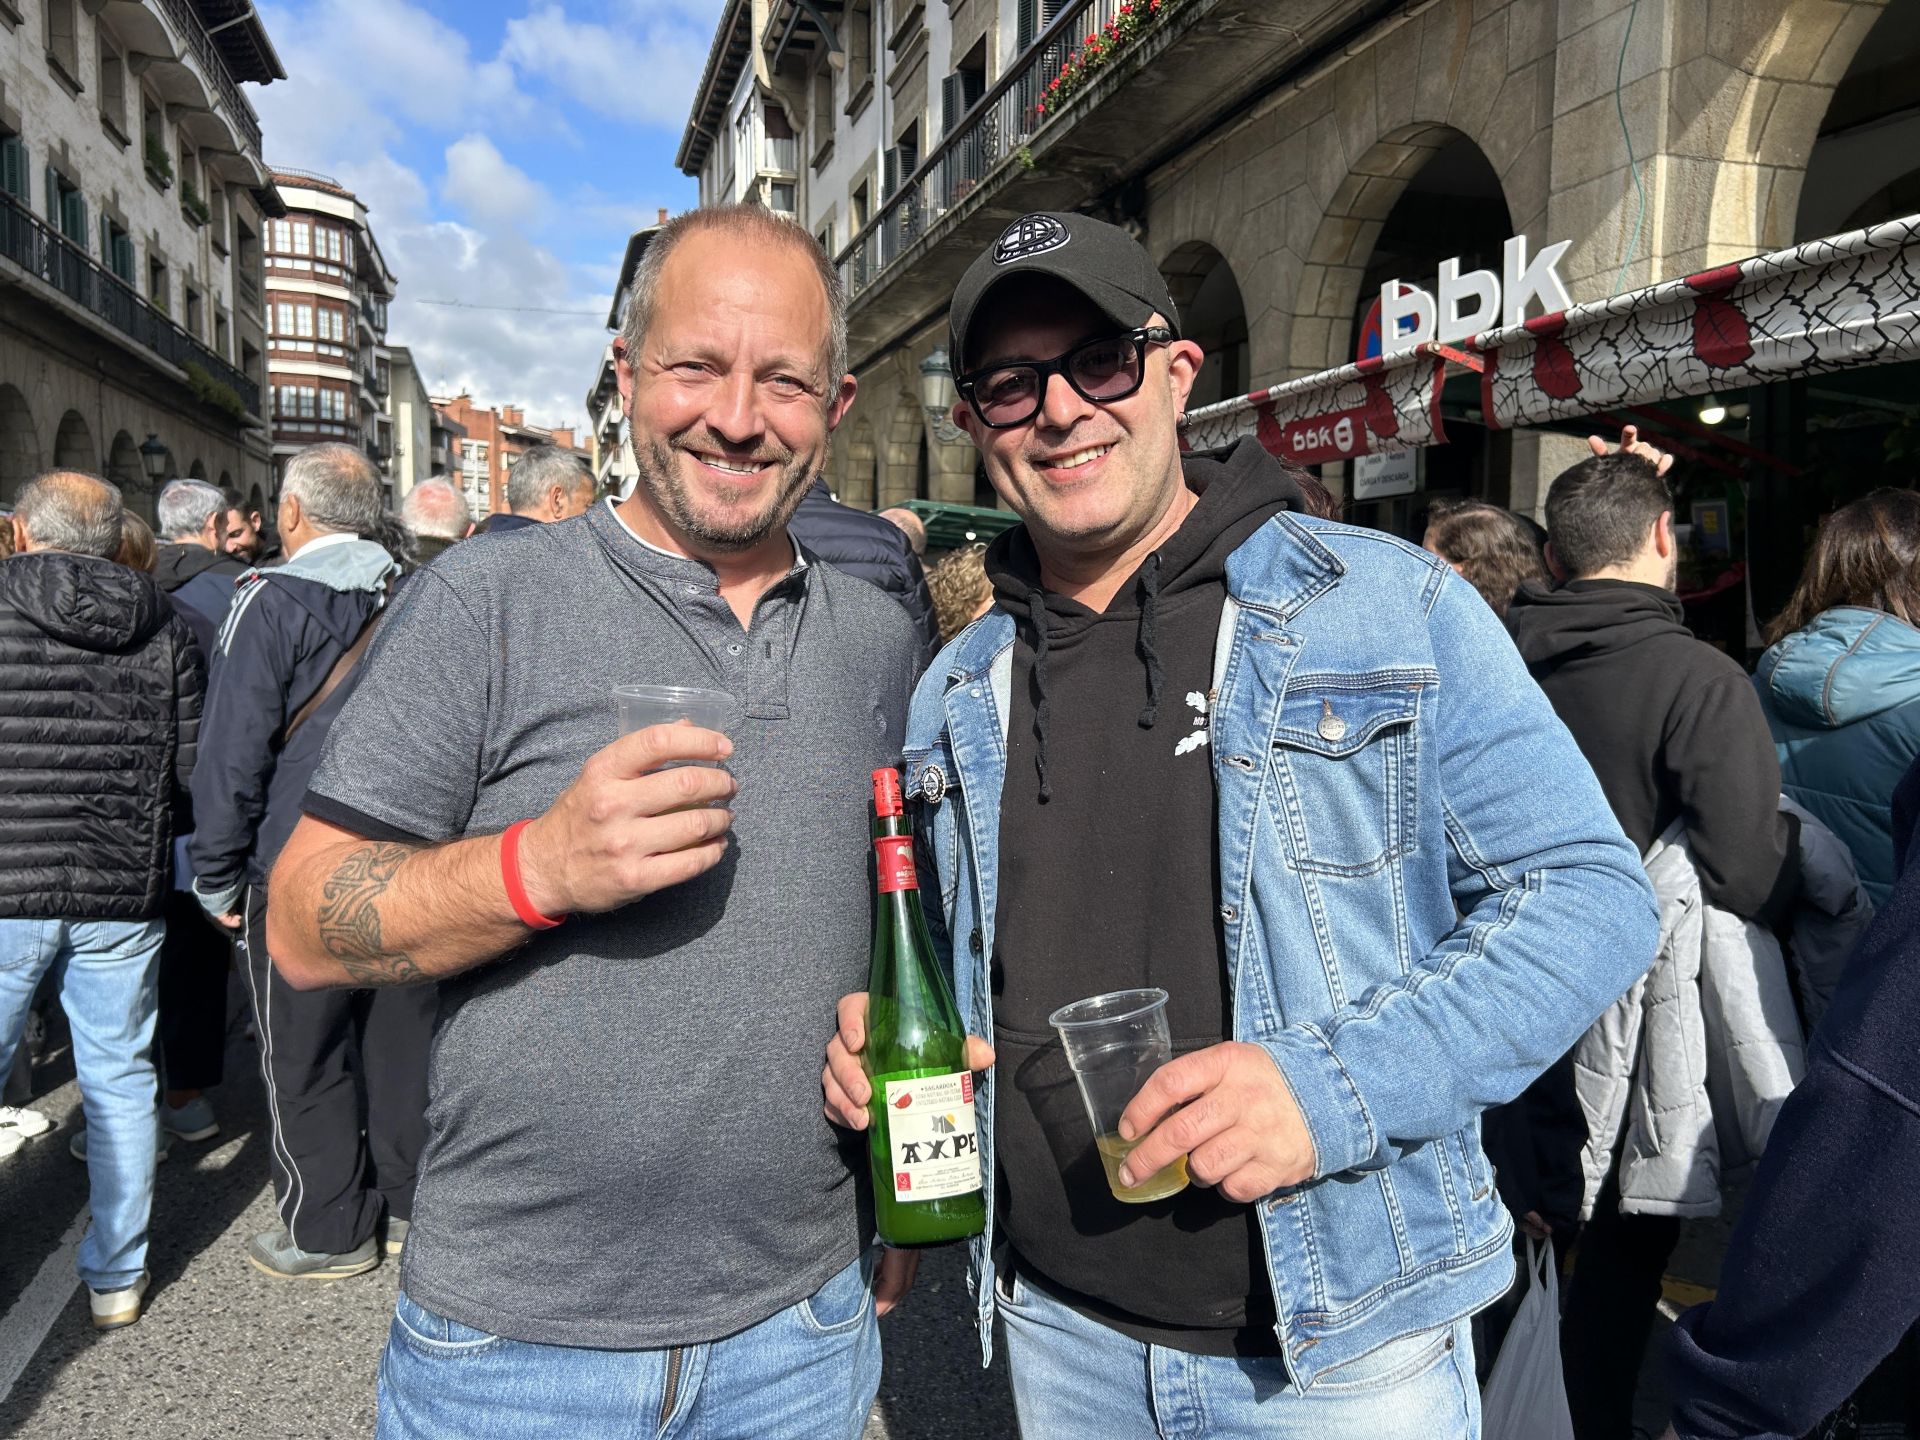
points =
(100, 690)
(1109, 879)
(1672, 728)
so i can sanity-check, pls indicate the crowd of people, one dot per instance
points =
(1493, 907)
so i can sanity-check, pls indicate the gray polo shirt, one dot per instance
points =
(626, 1147)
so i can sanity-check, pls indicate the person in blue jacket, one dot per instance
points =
(346, 1071)
(1841, 683)
(1822, 1277)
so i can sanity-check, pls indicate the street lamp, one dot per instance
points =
(937, 397)
(153, 459)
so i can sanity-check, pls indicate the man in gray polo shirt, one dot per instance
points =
(631, 1211)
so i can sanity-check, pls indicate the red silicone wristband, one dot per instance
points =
(516, 888)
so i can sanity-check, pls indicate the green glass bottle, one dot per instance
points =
(924, 1148)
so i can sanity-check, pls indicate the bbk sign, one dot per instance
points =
(1468, 304)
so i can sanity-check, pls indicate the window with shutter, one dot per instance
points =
(13, 168)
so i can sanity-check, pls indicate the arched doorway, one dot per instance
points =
(19, 445)
(1213, 316)
(1861, 169)
(1447, 203)
(197, 471)
(73, 445)
(125, 471)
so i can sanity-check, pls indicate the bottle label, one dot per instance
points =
(896, 863)
(931, 1137)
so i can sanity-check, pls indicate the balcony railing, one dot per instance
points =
(986, 137)
(30, 243)
(181, 16)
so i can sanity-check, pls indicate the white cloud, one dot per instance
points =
(641, 73)
(483, 184)
(398, 106)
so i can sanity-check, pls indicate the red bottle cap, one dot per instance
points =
(886, 793)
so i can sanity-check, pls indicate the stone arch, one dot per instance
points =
(197, 470)
(1350, 229)
(1860, 170)
(1755, 99)
(1212, 315)
(73, 445)
(226, 481)
(125, 470)
(19, 445)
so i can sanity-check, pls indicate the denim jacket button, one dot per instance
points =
(1331, 726)
(973, 942)
(1229, 914)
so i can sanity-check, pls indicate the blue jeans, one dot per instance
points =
(1075, 1379)
(107, 973)
(809, 1372)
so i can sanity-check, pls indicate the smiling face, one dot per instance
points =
(729, 395)
(1091, 479)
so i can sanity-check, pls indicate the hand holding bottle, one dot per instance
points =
(844, 1081)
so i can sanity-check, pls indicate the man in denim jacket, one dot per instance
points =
(1294, 773)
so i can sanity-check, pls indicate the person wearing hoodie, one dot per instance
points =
(1292, 773)
(1822, 1275)
(100, 693)
(1674, 732)
(1840, 683)
(191, 564)
(345, 1070)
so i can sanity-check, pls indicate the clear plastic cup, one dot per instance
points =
(639, 706)
(1113, 1043)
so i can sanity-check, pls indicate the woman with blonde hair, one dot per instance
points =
(1841, 681)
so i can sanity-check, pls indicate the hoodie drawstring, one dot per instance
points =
(1037, 614)
(1149, 593)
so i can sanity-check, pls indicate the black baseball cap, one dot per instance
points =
(1101, 261)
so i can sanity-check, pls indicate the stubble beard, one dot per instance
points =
(671, 496)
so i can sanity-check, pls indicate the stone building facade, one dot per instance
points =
(133, 199)
(1282, 159)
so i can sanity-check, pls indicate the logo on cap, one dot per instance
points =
(1029, 235)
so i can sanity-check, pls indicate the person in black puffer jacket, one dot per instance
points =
(100, 692)
(875, 550)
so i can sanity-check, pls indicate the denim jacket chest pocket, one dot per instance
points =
(1346, 770)
(931, 780)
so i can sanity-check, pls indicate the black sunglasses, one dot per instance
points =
(1101, 371)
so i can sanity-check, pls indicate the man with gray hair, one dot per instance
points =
(438, 516)
(628, 1215)
(345, 1071)
(192, 565)
(545, 484)
(100, 690)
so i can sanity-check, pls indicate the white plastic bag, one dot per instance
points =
(1526, 1395)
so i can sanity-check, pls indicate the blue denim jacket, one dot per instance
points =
(1426, 901)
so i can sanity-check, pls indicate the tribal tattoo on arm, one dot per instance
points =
(350, 916)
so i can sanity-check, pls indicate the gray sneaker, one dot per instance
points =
(396, 1236)
(275, 1254)
(194, 1120)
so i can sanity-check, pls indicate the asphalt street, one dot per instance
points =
(225, 1351)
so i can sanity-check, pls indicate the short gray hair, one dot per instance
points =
(434, 507)
(541, 469)
(73, 511)
(337, 486)
(753, 222)
(185, 506)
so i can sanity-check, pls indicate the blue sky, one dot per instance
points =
(505, 152)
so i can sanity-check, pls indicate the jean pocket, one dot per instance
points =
(842, 1303)
(23, 943)
(437, 1335)
(1392, 1364)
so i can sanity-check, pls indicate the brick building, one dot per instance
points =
(489, 442)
